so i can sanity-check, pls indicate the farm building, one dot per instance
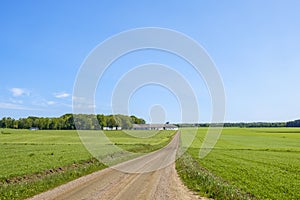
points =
(112, 128)
(154, 127)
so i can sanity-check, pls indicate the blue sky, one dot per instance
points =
(254, 44)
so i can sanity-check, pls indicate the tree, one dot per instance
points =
(110, 121)
(136, 120)
(295, 123)
(101, 120)
(8, 122)
(67, 122)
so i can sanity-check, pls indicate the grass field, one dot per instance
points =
(256, 163)
(253, 163)
(34, 161)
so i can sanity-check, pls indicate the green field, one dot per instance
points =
(34, 161)
(246, 163)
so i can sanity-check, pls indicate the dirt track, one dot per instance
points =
(149, 177)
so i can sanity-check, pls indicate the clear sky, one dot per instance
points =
(254, 44)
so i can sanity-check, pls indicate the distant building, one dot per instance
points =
(34, 128)
(106, 128)
(154, 127)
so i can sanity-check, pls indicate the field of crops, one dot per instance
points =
(33, 161)
(263, 163)
(256, 163)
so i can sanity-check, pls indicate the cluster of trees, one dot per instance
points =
(256, 124)
(241, 124)
(91, 122)
(295, 123)
(71, 122)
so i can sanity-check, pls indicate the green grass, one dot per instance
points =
(33, 184)
(27, 156)
(25, 152)
(141, 141)
(262, 163)
(206, 183)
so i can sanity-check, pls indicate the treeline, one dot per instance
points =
(68, 121)
(240, 124)
(295, 123)
(256, 124)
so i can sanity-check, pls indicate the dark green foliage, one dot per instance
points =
(136, 120)
(295, 123)
(72, 122)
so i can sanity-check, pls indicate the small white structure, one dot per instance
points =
(154, 127)
(34, 129)
(106, 128)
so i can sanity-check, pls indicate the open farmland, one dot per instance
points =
(34, 161)
(246, 163)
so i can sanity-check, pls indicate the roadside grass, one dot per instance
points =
(35, 161)
(261, 163)
(205, 183)
(26, 186)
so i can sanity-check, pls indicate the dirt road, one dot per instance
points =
(149, 177)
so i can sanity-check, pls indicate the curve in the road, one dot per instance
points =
(152, 176)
